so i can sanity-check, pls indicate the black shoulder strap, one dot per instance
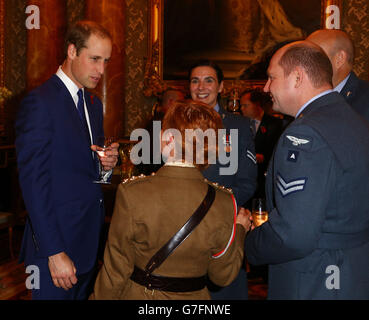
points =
(183, 233)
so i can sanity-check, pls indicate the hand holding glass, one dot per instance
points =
(102, 143)
(259, 213)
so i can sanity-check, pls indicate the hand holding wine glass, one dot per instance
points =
(107, 151)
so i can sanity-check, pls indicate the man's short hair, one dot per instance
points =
(81, 31)
(258, 96)
(207, 63)
(189, 114)
(312, 59)
(167, 92)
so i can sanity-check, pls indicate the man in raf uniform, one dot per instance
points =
(316, 240)
(340, 50)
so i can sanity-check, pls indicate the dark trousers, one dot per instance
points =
(237, 290)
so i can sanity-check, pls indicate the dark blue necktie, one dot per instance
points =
(81, 111)
(253, 126)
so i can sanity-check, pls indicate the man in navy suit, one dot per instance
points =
(340, 51)
(316, 240)
(56, 128)
(206, 84)
(266, 129)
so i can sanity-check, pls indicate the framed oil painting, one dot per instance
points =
(239, 35)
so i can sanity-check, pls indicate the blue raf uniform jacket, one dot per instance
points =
(316, 241)
(243, 182)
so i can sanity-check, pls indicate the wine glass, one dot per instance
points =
(102, 143)
(259, 213)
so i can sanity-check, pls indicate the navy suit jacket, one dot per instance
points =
(56, 173)
(317, 199)
(356, 94)
(266, 137)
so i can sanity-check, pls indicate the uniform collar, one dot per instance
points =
(311, 100)
(180, 172)
(180, 164)
(340, 86)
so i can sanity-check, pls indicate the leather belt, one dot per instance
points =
(171, 284)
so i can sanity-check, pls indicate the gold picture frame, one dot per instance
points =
(154, 84)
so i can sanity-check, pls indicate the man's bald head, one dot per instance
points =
(311, 58)
(332, 41)
(297, 72)
(339, 48)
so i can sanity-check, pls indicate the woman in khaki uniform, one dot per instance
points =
(150, 210)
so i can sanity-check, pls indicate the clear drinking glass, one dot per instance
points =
(102, 144)
(259, 213)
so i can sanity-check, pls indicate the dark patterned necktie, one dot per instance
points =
(253, 127)
(81, 111)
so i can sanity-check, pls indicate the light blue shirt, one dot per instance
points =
(340, 86)
(312, 99)
(216, 108)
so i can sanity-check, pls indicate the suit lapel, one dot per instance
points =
(92, 115)
(71, 110)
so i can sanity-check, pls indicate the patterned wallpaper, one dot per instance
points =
(15, 63)
(355, 22)
(138, 107)
(15, 46)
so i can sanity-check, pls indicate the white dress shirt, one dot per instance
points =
(73, 89)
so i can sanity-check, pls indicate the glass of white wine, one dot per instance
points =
(102, 144)
(259, 213)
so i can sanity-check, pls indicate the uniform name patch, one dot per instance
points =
(286, 188)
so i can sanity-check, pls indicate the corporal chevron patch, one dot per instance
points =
(286, 188)
(251, 156)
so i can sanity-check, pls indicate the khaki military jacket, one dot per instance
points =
(148, 212)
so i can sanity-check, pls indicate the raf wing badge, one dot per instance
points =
(296, 141)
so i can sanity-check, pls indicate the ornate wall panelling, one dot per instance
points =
(355, 22)
(138, 106)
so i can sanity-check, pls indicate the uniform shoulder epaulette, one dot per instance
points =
(136, 178)
(218, 186)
